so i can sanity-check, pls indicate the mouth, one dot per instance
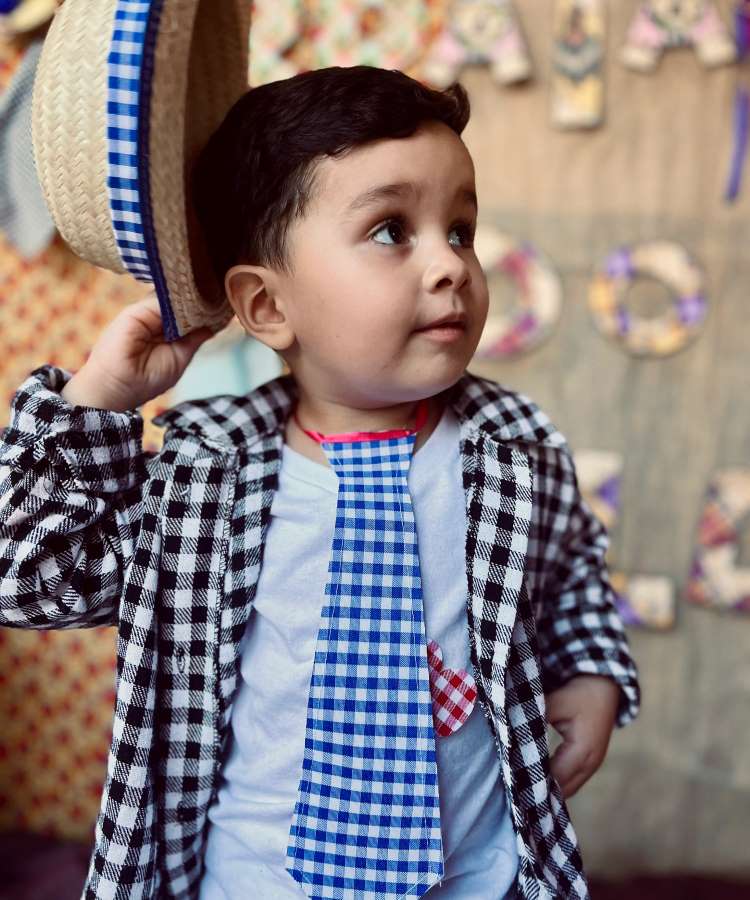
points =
(455, 322)
(447, 331)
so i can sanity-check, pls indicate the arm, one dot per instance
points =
(579, 629)
(71, 485)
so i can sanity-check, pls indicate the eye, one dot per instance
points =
(467, 230)
(393, 225)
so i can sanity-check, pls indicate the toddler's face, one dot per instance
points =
(368, 274)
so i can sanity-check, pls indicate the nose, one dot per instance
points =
(446, 268)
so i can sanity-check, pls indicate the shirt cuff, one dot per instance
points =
(86, 447)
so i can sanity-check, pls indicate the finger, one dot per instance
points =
(150, 301)
(567, 760)
(575, 783)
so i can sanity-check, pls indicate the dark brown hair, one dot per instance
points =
(256, 173)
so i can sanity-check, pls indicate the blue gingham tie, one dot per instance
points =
(366, 822)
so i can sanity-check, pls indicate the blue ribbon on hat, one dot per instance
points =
(130, 65)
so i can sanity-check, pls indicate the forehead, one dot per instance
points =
(432, 161)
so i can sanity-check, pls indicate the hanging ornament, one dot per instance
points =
(741, 107)
(715, 578)
(665, 261)
(277, 25)
(643, 601)
(660, 25)
(389, 34)
(539, 295)
(478, 32)
(577, 88)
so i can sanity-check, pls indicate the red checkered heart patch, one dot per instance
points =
(453, 693)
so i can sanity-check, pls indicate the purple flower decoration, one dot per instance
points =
(526, 323)
(627, 613)
(623, 320)
(692, 309)
(609, 491)
(618, 264)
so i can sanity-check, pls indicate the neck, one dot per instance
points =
(336, 419)
(330, 417)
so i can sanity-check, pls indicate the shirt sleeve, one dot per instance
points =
(579, 628)
(71, 487)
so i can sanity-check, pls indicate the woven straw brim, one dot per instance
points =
(200, 70)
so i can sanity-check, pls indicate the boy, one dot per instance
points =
(339, 206)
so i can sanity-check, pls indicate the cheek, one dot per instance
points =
(481, 291)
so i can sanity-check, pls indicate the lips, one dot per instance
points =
(453, 320)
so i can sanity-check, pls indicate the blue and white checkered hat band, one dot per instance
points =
(366, 823)
(125, 62)
(129, 77)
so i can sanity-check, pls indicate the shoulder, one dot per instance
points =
(502, 413)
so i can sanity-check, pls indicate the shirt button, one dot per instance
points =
(48, 484)
(182, 813)
(181, 659)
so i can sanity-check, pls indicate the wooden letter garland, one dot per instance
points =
(715, 578)
(540, 294)
(659, 25)
(389, 34)
(276, 27)
(537, 311)
(577, 86)
(662, 335)
(643, 601)
(478, 31)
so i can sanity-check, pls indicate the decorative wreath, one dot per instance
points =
(643, 601)
(539, 295)
(668, 262)
(716, 579)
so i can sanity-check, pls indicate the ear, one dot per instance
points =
(253, 294)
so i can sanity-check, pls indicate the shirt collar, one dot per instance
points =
(233, 421)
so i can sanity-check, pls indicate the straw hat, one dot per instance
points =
(121, 107)
(26, 16)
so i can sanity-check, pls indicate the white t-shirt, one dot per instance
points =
(252, 814)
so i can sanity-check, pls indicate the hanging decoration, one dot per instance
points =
(741, 109)
(277, 25)
(643, 601)
(715, 578)
(577, 86)
(539, 291)
(660, 25)
(478, 32)
(390, 34)
(662, 335)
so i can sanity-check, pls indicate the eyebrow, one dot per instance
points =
(398, 190)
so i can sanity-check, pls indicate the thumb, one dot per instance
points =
(567, 761)
(194, 339)
(185, 347)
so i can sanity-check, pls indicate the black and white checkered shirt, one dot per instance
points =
(167, 547)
